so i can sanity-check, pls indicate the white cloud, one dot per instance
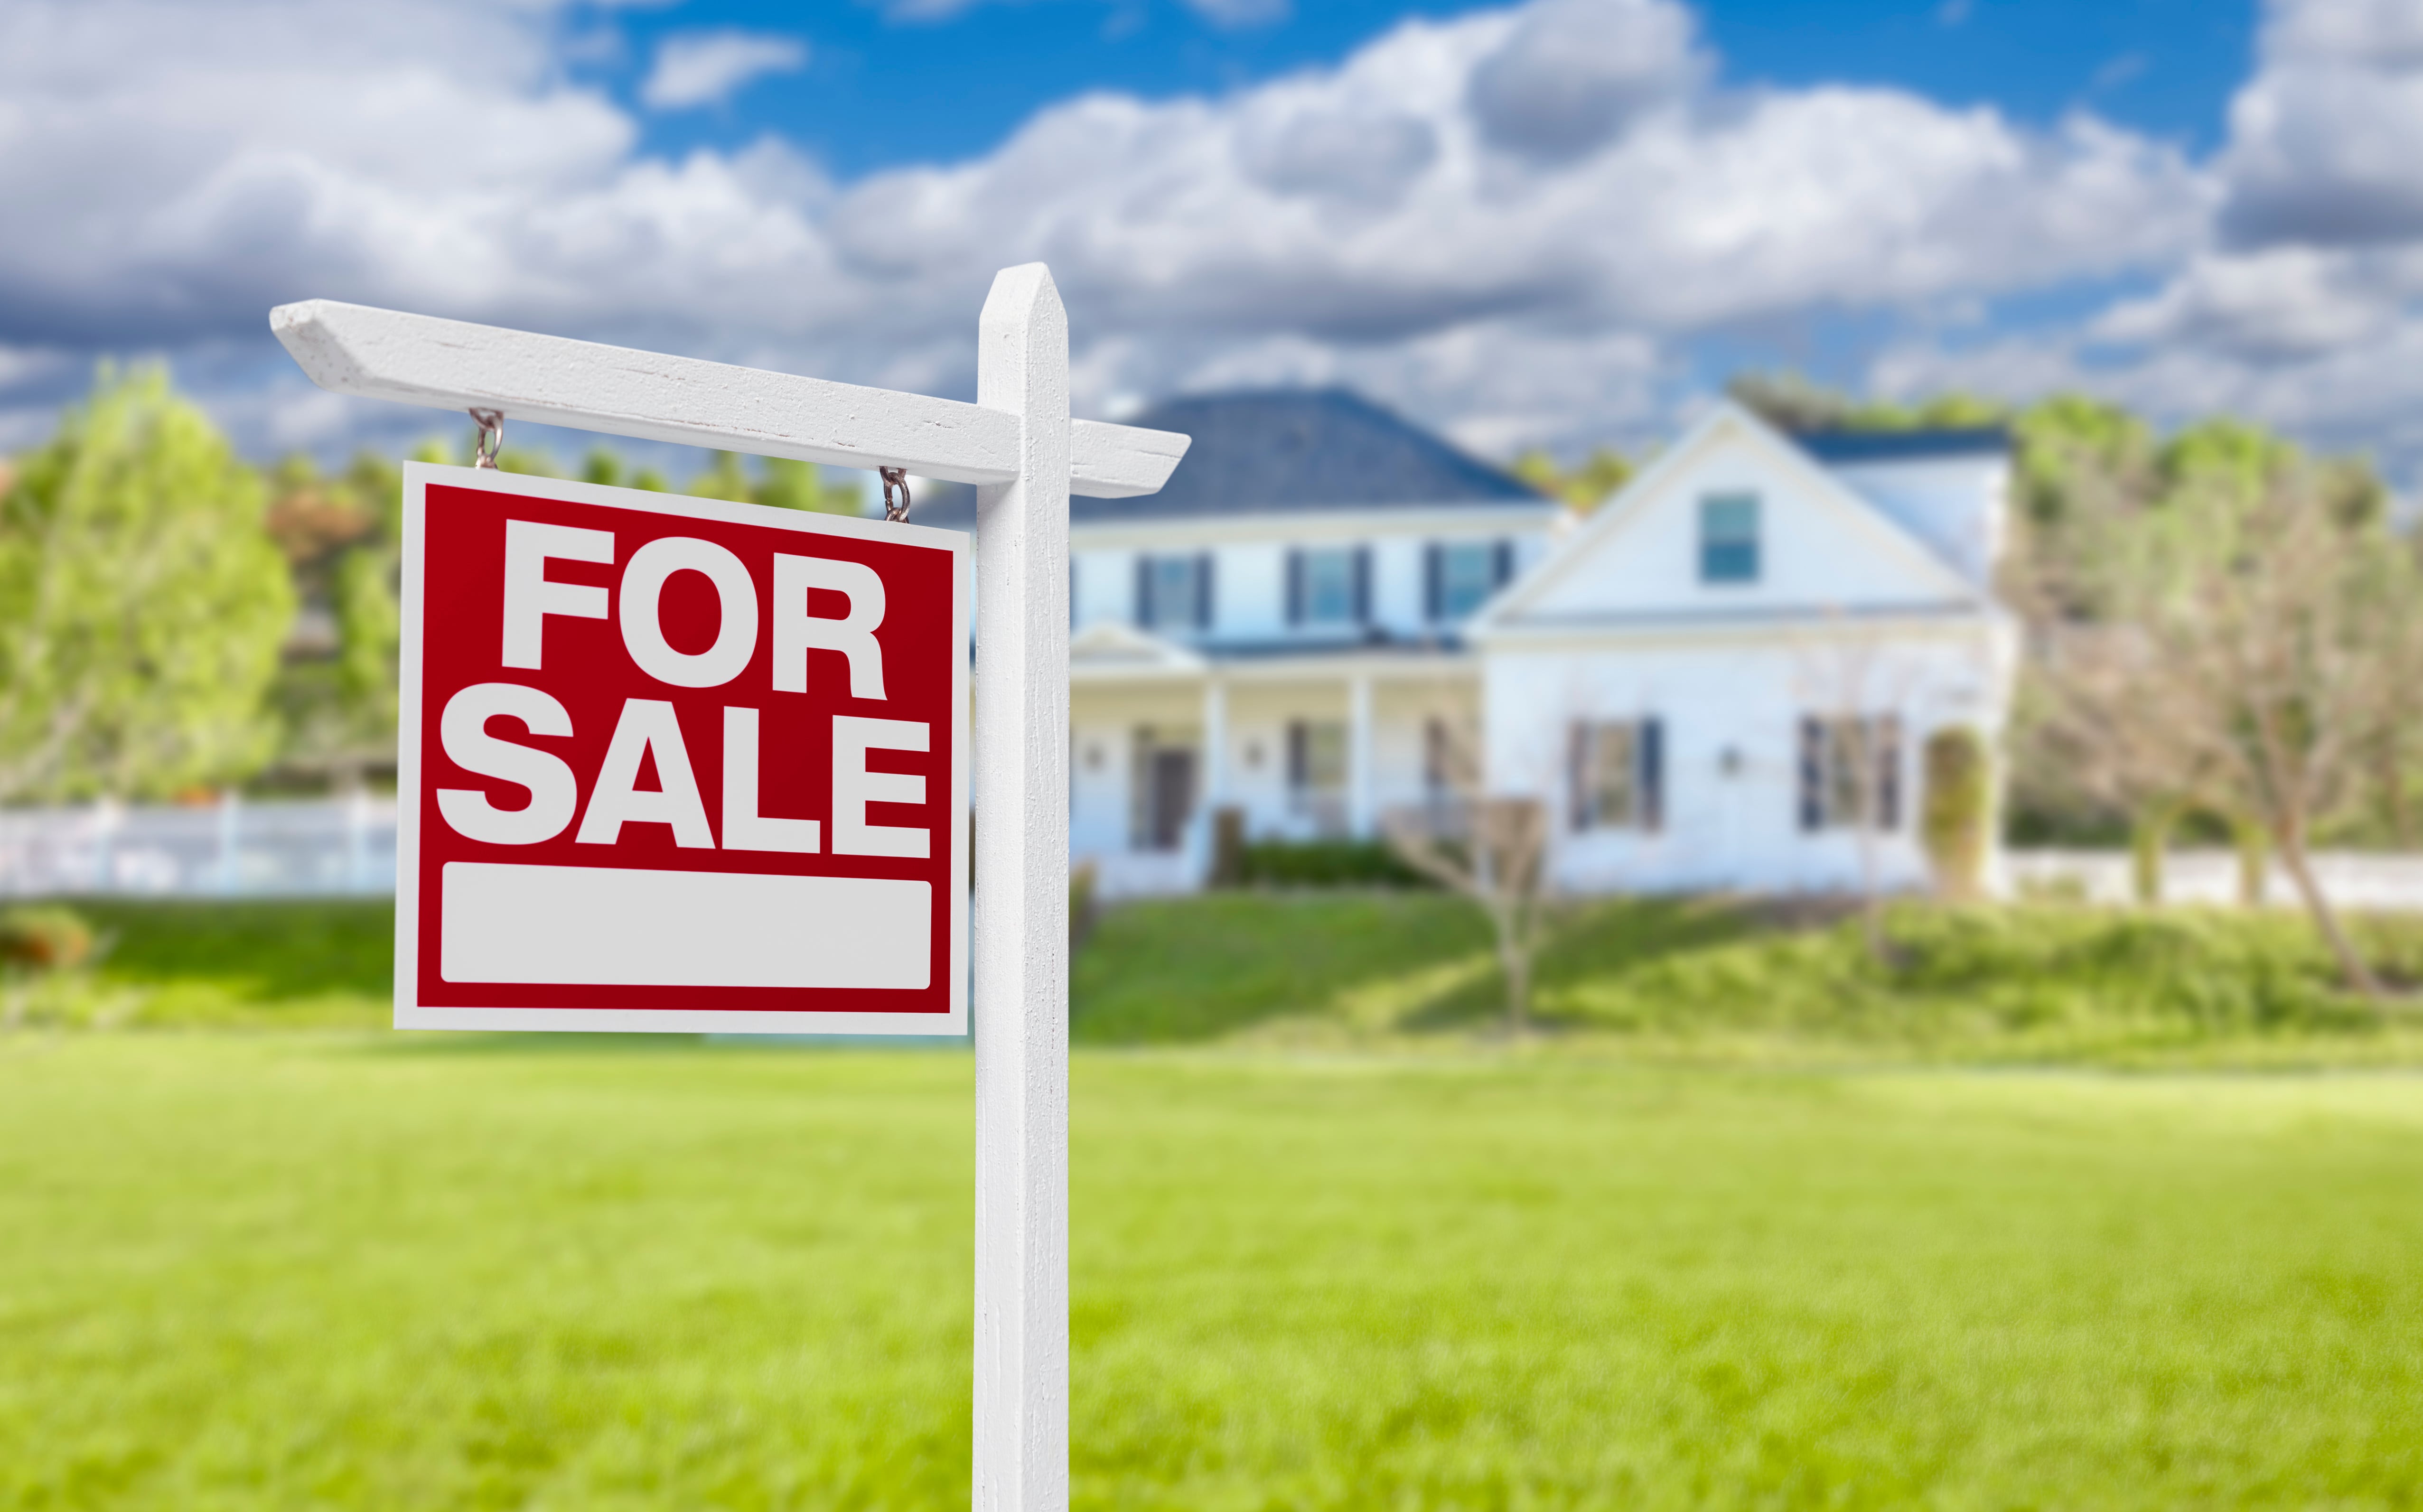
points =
(2305, 308)
(2322, 139)
(695, 69)
(1505, 222)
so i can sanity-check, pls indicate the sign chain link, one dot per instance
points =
(896, 512)
(491, 436)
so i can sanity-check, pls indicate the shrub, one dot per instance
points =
(1326, 863)
(47, 937)
(1959, 795)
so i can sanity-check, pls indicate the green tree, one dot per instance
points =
(724, 478)
(141, 602)
(785, 484)
(1586, 485)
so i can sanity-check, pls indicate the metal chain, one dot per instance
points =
(894, 477)
(491, 436)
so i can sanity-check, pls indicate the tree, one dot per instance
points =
(1851, 747)
(1791, 401)
(141, 602)
(724, 478)
(1958, 814)
(1493, 850)
(1586, 485)
(335, 692)
(2255, 627)
(785, 484)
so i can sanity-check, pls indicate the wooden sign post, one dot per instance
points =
(1018, 445)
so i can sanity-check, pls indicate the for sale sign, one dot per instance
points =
(676, 764)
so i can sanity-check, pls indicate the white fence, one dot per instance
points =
(290, 848)
(229, 849)
(2350, 880)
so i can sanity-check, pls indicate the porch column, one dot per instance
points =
(1358, 755)
(1215, 743)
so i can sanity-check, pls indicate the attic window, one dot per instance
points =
(1729, 538)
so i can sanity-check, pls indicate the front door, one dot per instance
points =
(1170, 778)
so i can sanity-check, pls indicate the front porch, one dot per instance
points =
(1305, 744)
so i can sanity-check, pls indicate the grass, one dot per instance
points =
(1698, 980)
(210, 963)
(2039, 983)
(269, 1271)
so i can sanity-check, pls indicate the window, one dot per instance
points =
(1459, 576)
(1618, 775)
(1174, 592)
(1851, 772)
(1316, 772)
(1729, 538)
(1329, 585)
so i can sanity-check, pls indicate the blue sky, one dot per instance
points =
(879, 90)
(1546, 222)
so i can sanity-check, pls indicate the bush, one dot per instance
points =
(1326, 863)
(45, 937)
(1959, 800)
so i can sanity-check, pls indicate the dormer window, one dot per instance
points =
(1329, 585)
(1729, 538)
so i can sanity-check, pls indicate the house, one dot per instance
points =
(1329, 613)
(1728, 676)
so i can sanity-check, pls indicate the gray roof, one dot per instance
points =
(1853, 448)
(1278, 451)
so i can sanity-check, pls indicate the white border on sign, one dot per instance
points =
(411, 1014)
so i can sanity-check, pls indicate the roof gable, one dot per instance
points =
(1823, 548)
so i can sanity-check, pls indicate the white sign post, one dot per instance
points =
(1019, 445)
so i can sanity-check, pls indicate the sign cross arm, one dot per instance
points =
(456, 365)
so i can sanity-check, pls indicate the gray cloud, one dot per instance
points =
(1573, 73)
(2323, 138)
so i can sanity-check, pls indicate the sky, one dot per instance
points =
(1557, 223)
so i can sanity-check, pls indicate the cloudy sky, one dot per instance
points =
(1563, 222)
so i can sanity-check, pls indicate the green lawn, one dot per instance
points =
(346, 1271)
(1688, 979)
(1712, 980)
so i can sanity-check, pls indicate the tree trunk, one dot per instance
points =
(2149, 837)
(2353, 973)
(1516, 963)
(2254, 860)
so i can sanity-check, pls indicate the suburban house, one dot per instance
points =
(1722, 677)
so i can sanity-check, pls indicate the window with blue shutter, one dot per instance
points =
(1328, 586)
(1174, 592)
(1617, 775)
(1851, 772)
(1465, 574)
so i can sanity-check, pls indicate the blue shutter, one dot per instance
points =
(1503, 564)
(1362, 585)
(1578, 793)
(1812, 773)
(1887, 736)
(1203, 592)
(1294, 587)
(1143, 591)
(1434, 588)
(1652, 748)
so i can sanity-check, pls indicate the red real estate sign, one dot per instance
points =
(671, 764)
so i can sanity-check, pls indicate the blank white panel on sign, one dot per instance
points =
(597, 926)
